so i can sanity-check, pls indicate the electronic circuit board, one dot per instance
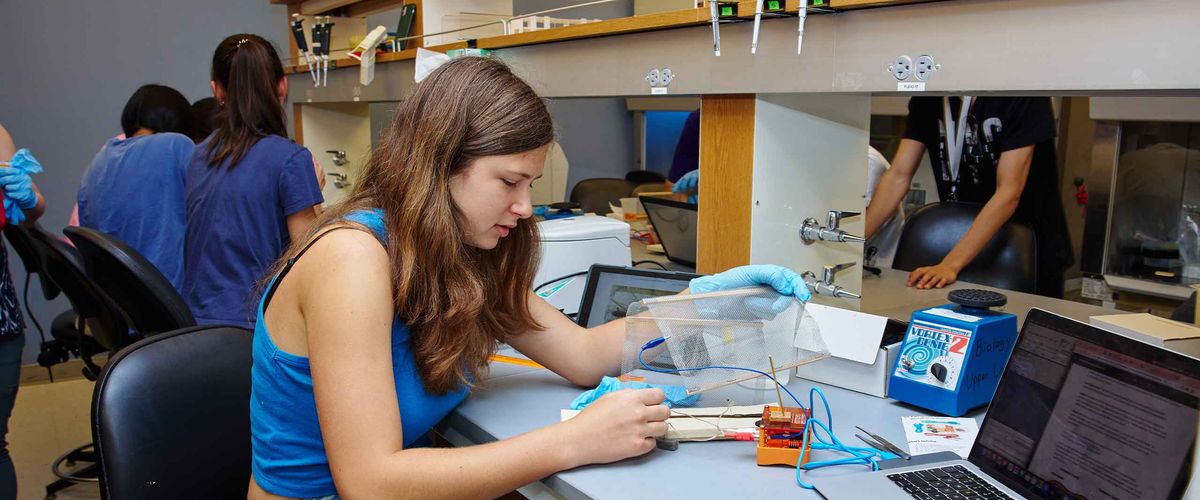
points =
(781, 435)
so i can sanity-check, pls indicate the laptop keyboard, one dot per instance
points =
(953, 482)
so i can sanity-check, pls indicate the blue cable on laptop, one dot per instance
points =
(860, 455)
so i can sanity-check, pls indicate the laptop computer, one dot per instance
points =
(675, 224)
(1080, 412)
(610, 289)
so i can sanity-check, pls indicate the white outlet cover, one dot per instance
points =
(902, 67)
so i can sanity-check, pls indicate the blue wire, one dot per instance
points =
(860, 455)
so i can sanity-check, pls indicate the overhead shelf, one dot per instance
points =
(608, 27)
(1046, 48)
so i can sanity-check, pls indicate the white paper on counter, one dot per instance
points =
(934, 434)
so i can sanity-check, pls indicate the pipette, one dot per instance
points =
(757, 22)
(301, 43)
(716, 25)
(317, 29)
(328, 39)
(803, 14)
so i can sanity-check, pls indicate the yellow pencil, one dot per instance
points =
(500, 358)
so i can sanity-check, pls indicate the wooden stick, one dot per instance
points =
(776, 381)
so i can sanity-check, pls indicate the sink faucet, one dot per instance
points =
(825, 285)
(812, 231)
(339, 157)
(339, 179)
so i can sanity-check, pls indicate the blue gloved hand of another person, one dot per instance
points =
(12, 212)
(689, 184)
(785, 281)
(676, 395)
(18, 185)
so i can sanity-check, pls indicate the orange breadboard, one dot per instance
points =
(781, 436)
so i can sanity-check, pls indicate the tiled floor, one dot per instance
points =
(48, 420)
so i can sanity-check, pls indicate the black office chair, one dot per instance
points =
(100, 328)
(31, 258)
(594, 195)
(98, 316)
(150, 303)
(171, 416)
(636, 177)
(64, 334)
(1009, 261)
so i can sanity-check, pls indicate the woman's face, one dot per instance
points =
(493, 194)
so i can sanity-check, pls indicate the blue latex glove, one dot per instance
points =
(676, 395)
(786, 283)
(690, 185)
(18, 185)
(783, 280)
(13, 213)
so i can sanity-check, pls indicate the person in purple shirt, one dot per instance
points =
(685, 166)
(250, 189)
(133, 189)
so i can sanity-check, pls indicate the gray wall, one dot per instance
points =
(612, 10)
(596, 134)
(71, 65)
(620, 8)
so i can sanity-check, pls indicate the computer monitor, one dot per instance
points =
(610, 290)
(675, 224)
(1085, 412)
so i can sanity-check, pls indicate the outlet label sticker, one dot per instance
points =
(933, 354)
(658, 91)
(910, 87)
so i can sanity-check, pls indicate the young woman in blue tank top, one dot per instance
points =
(376, 326)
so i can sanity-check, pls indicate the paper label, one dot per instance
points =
(1095, 289)
(910, 87)
(946, 313)
(933, 354)
(934, 434)
(658, 91)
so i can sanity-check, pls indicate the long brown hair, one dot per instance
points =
(458, 301)
(248, 68)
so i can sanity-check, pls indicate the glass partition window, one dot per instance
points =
(1155, 227)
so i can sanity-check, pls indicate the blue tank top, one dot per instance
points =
(288, 452)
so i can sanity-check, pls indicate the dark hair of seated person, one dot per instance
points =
(204, 111)
(158, 108)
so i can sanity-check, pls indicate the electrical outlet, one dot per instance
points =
(925, 67)
(901, 68)
(665, 77)
(652, 77)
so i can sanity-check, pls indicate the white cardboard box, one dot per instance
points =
(858, 360)
(1176, 336)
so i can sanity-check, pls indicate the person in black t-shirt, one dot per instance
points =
(1006, 160)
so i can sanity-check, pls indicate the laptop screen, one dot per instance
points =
(610, 290)
(1088, 413)
(675, 224)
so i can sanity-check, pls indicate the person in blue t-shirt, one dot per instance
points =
(374, 328)
(133, 189)
(250, 189)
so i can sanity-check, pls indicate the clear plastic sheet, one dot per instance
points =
(735, 328)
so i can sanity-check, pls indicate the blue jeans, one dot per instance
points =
(10, 378)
